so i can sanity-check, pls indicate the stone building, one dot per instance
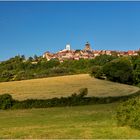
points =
(87, 47)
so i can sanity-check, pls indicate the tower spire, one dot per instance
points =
(87, 46)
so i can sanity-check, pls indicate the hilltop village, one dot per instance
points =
(86, 53)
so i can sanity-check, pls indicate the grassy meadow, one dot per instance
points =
(63, 86)
(83, 122)
(94, 121)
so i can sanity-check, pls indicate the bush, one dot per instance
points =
(103, 59)
(119, 70)
(97, 72)
(74, 99)
(94, 70)
(128, 113)
(6, 101)
(83, 92)
(59, 71)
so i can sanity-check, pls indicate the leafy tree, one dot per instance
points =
(136, 71)
(30, 59)
(52, 63)
(94, 70)
(35, 57)
(6, 76)
(119, 70)
(103, 59)
(6, 101)
(128, 113)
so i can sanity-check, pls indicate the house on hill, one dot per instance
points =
(86, 53)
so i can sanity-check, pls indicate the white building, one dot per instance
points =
(68, 47)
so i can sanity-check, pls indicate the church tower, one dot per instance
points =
(87, 47)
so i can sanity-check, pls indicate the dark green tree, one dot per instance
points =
(119, 70)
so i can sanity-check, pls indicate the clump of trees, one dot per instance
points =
(119, 70)
(111, 67)
(123, 70)
(6, 101)
(19, 68)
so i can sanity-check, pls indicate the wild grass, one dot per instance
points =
(83, 122)
(64, 86)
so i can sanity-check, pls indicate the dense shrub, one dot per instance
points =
(19, 68)
(119, 70)
(122, 69)
(97, 72)
(74, 99)
(136, 72)
(128, 113)
(94, 70)
(6, 101)
(59, 70)
(103, 59)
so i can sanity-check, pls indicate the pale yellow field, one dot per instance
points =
(64, 86)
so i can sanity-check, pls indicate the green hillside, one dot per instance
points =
(94, 121)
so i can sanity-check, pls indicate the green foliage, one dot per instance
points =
(136, 72)
(97, 72)
(128, 113)
(94, 70)
(83, 92)
(74, 99)
(119, 70)
(18, 68)
(79, 66)
(30, 59)
(6, 76)
(103, 59)
(6, 101)
(123, 70)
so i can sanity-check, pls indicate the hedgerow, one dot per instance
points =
(7, 102)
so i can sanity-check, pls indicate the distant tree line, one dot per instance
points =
(110, 67)
(19, 68)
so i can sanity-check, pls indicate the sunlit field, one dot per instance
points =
(64, 86)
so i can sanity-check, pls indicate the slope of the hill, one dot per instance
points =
(64, 86)
(82, 122)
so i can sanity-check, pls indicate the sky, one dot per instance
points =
(29, 28)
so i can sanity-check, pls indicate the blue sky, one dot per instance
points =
(35, 27)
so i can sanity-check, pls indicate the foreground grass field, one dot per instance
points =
(92, 121)
(95, 121)
(64, 86)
